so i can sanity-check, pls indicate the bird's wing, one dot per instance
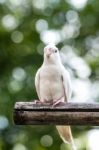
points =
(66, 84)
(37, 83)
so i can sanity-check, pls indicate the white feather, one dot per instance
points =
(52, 82)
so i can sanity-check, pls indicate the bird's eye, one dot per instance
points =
(55, 51)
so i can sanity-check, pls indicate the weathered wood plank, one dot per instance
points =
(67, 106)
(28, 113)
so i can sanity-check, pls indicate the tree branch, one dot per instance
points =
(29, 113)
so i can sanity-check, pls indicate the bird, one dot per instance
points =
(53, 85)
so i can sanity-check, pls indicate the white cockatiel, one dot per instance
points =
(53, 86)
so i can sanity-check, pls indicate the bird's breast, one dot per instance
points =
(50, 74)
(51, 86)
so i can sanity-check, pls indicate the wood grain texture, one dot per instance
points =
(29, 113)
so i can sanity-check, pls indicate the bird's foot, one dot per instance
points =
(55, 103)
(37, 102)
(59, 102)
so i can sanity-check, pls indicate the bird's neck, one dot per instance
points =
(48, 61)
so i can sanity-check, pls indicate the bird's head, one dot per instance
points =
(51, 53)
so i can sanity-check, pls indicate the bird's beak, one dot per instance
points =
(48, 53)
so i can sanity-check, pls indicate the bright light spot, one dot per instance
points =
(88, 41)
(39, 4)
(69, 31)
(95, 43)
(81, 67)
(92, 43)
(81, 89)
(3, 122)
(67, 49)
(80, 141)
(72, 16)
(93, 139)
(19, 74)
(15, 86)
(9, 22)
(2, 1)
(41, 25)
(54, 2)
(67, 54)
(17, 2)
(19, 147)
(17, 36)
(50, 36)
(79, 4)
(46, 140)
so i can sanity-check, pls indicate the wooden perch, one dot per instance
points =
(29, 113)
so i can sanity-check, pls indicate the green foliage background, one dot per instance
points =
(21, 48)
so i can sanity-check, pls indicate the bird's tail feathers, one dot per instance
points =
(66, 135)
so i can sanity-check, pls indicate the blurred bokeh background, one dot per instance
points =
(26, 26)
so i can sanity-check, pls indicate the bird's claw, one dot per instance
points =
(58, 103)
(37, 102)
(55, 103)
